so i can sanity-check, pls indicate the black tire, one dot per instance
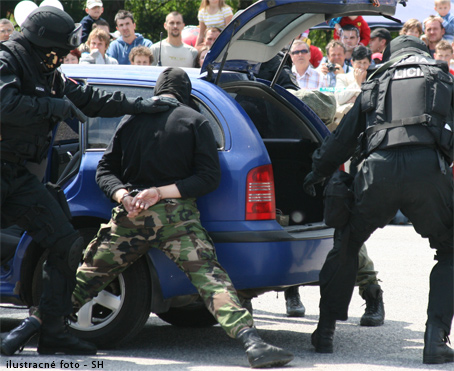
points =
(107, 327)
(192, 315)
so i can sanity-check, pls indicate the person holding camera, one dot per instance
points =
(335, 65)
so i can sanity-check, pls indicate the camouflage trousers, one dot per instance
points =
(173, 226)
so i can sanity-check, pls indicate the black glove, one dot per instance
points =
(156, 104)
(62, 109)
(309, 181)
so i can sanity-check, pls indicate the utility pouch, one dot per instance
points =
(442, 92)
(338, 198)
(56, 191)
(447, 142)
(369, 95)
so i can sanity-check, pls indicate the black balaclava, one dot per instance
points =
(405, 44)
(175, 81)
(50, 58)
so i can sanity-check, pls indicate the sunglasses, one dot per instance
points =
(302, 51)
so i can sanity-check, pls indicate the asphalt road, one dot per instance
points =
(404, 261)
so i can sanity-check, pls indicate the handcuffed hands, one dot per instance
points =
(309, 181)
(142, 201)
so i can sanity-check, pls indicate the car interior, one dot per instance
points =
(290, 143)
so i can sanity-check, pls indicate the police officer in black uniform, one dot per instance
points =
(404, 118)
(35, 96)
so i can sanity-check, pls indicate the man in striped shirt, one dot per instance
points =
(306, 76)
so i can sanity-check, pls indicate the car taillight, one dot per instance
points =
(260, 201)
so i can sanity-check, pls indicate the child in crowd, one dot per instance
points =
(212, 13)
(443, 52)
(141, 56)
(443, 7)
(412, 27)
(201, 55)
(98, 41)
(357, 21)
(94, 10)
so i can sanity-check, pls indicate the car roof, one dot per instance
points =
(120, 72)
(259, 32)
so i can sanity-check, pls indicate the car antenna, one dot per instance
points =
(160, 46)
(281, 65)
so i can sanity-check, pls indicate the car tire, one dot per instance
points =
(193, 315)
(119, 312)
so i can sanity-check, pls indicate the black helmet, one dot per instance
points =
(50, 27)
(405, 44)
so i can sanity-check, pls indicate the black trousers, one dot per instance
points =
(26, 202)
(409, 179)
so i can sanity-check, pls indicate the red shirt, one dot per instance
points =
(361, 24)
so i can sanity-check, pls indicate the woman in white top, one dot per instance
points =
(212, 13)
(98, 42)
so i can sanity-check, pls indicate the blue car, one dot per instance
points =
(267, 232)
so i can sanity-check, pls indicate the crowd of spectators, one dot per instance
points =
(313, 68)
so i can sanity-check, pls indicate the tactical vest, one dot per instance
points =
(29, 142)
(410, 103)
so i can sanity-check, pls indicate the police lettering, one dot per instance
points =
(408, 73)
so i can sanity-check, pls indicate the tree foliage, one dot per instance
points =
(149, 15)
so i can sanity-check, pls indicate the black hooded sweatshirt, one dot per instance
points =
(172, 147)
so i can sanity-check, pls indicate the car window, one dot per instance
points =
(99, 130)
(272, 119)
(267, 30)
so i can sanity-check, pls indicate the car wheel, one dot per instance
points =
(193, 315)
(119, 312)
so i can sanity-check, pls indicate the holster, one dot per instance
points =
(338, 199)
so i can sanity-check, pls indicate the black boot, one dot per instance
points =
(56, 338)
(322, 337)
(375, 310)
(294, 306)
(435, 348)
(20, 336)
(261, 354)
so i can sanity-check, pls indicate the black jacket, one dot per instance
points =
(173, 147)
(149, 150)
(31, 100)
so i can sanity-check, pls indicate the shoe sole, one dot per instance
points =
(371, 324)
(67, 351)
(271, 363)
(5, 352)
(435, 360)
(325, 350)
(296, 314)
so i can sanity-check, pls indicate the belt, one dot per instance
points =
(11, 157)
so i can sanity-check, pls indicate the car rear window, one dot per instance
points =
(99, 130)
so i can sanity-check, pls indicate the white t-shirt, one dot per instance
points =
(174, 56)
(215, 20)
